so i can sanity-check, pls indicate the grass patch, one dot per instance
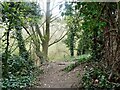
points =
(69, 68)
(78, 60)
(83, 58)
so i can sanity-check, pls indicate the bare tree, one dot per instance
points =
(42, 33)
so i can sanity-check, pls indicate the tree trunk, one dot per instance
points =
(6, 55)
(72, 45)
(72, 35)
(22, 50)
(45, 49)
(45, 42)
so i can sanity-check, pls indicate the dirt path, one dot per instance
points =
(54, 77)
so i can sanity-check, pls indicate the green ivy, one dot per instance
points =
(18, 70)
(94, 78)
(20, 73)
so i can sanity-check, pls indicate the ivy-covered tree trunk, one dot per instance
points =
(22, 50)
(5, 56)
(95, 46)
(72, 35)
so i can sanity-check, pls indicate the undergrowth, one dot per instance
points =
(95, 78)
(21, 73)
(78, 60)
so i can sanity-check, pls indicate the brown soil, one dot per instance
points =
(54, 77)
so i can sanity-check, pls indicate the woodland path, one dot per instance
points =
(55, 77)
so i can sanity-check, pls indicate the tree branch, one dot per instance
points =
(39, 32)
(57, 40)
(52, 35)
(57, 5)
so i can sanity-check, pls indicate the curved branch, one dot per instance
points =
(57, 40)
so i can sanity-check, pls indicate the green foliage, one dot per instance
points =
(20, 73)
(70, 41)
(92, 38)
(83, 20)
(69, 68)
(94, 78)
(80, 59)
(83, 58)
(17, 82)
(68, 10)
(19, 66)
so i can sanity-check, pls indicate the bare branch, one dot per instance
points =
(55, 15)
(57, 5)
(30, 34)
(57, 40)
(39, 32)
(26, 30)
(53, 34)
(54, 18)
(43, 23)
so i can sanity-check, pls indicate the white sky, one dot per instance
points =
(54, 4)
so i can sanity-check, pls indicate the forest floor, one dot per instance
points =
(55, 77)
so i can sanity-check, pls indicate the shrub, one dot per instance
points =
(14, 82)
(20, 66)
(70, 67)
(84, 58)
(20, 73)
(79, 59)
(95, 78)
